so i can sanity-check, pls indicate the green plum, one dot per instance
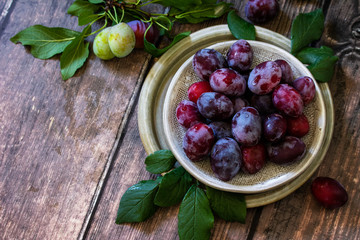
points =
(101, 46)
(121, 40)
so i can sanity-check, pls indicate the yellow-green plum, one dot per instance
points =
(101, 46)
(121, 40)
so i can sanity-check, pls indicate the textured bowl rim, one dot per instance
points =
(267, 185)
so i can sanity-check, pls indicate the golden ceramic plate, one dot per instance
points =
(151, 102)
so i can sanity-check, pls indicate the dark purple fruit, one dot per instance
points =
(264, 78)
(198, 141)
(228, 82)
(274, 127)
(240, 56)
(329, 192)
(239, 103)
(254, 158)
(215, 106)
(260, 11)
(188, 114)
(306, 87)
(287, 100)
(298, 127)
(263, 103)
(246, 126)
(288, 150)
(226, 159)
(206, 61)
(286, 71)
(221, 129)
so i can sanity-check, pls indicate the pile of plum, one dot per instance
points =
(243, 117)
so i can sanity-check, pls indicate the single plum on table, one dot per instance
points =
(306, 87)
(274, 127)
(260, 11)
(188, 114)
(198, 141)
(228, 82)
(215, 106)
(198, 88)
(226, 158)
(264, 78)
(246, 126)
(254, 158)
(288, 100)
(329, 192)
(240, 56)
(289, 150)
(206, 61)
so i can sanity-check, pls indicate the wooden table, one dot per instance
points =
(69, 150)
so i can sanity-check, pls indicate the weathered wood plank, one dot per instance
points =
(299, 216)
(55, 136)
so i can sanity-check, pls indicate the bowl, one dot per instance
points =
(272, 175)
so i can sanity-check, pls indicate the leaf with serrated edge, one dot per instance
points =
(45, 42)
(173, 187)
(137, 203)
(160, 161)
(74, 55)
(229, 206)
(151, 48)
(195, 219)
(240, 28)
(306, 27)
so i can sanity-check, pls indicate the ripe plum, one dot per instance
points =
(274, 127)
(198, 141)
(206, 61)
(228, 82)
(264, 78)
(246, 126)
(226, 158)
(260, 11)
(287, 151)
(215, 106)
(287, 100)
(329, 192)
(254, 158)
(198, 88)
(139, 28)
(298, 127)
(240, 56)
(188, 114)
(306, 87)
(221, 129)
(286, 71)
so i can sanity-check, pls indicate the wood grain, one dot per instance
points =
(56, 137)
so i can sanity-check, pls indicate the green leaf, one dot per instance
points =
(74, 55)
(306, 28)
(205, 12)
(86, 18)
(96, 1)
(163, 22)
(160, 161)
(313, 55)
(81, 7)
(321, 62)
(151, 48)
(173, 187)
(240, 28)
(137, 203)
(195, 218)
(45, 42)
(323, 70)
(229, 206)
